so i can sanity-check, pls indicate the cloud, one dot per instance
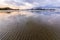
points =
(2, 2)
(31, 3)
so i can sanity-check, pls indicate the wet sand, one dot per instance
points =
(27, 26)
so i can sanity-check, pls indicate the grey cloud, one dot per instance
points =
(44, 3)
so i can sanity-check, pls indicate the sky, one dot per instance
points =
(30, 3)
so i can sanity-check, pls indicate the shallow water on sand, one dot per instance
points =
(26, 25)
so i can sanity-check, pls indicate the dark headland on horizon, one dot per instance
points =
(8, 8)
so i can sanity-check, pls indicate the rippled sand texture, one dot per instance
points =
(27, 26)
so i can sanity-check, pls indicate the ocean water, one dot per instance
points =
(30, 25)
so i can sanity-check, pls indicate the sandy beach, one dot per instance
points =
(29, 26)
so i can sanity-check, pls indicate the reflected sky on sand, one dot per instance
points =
(29, 23)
